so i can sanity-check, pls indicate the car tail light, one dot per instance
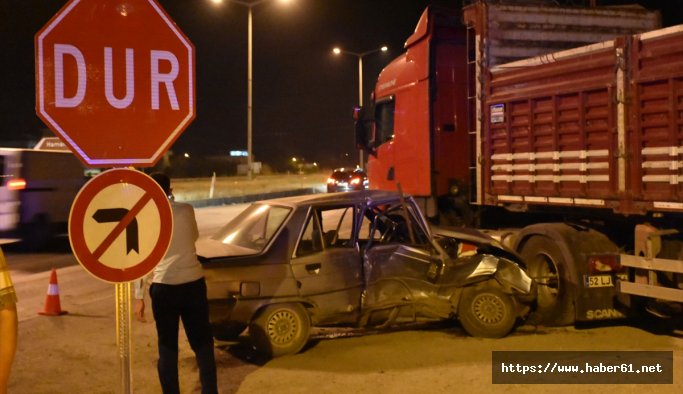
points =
(16, 184)
(355, 181)
(598, 264)
(330, 180)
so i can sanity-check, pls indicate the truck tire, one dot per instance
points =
(280, 329)
(485, 311)
(545, 263)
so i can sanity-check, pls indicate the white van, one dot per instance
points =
(37, 188)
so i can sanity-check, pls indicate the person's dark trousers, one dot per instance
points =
(187, 301)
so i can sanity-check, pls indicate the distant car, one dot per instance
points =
(347, 179)
(365, 259)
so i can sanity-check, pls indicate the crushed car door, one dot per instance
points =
(327, 264)
(402, 268)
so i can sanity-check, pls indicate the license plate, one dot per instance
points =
(600, 280)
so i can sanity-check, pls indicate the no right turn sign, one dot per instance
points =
(120, 225)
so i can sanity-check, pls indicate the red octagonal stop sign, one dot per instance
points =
(115, 80)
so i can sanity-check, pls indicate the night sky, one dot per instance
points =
(303, 95)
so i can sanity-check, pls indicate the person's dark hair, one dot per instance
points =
(163, 180)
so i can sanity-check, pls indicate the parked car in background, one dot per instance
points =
(365, 259)
(347, 179)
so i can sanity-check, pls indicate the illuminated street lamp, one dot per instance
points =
(249, 5)
(359, 55)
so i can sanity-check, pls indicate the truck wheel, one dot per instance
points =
(486, 311)
(545, 263)
(280, 329)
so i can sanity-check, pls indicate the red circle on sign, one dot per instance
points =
(91, 259)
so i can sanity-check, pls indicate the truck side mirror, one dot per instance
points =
(363, 134)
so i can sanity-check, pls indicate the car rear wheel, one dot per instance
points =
(486, 311)
(280, 329)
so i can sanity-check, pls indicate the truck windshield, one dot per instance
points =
(384, 121)
(254, 227)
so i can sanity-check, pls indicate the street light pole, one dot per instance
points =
(359, 55)
(360, 81)
(250, 107)
(249, 96)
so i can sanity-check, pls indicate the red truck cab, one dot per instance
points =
(423, 89)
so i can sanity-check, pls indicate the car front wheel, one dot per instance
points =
(280, 329)
(486, 311)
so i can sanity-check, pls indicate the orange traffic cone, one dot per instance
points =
(52, 305)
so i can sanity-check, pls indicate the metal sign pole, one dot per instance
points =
(123, 337)
(128, 192)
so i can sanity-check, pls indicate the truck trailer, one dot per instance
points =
(557, 129)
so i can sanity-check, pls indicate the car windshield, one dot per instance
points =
(254, 227)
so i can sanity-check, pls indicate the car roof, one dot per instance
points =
(334, 198)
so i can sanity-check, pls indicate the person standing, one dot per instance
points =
(178, 292)
(8, 323)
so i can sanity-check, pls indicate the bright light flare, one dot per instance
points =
(16, 184)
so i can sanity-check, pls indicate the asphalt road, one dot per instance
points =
(77, 353)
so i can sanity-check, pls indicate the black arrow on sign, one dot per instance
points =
(116, 215)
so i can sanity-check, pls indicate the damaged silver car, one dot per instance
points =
(364, 259)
